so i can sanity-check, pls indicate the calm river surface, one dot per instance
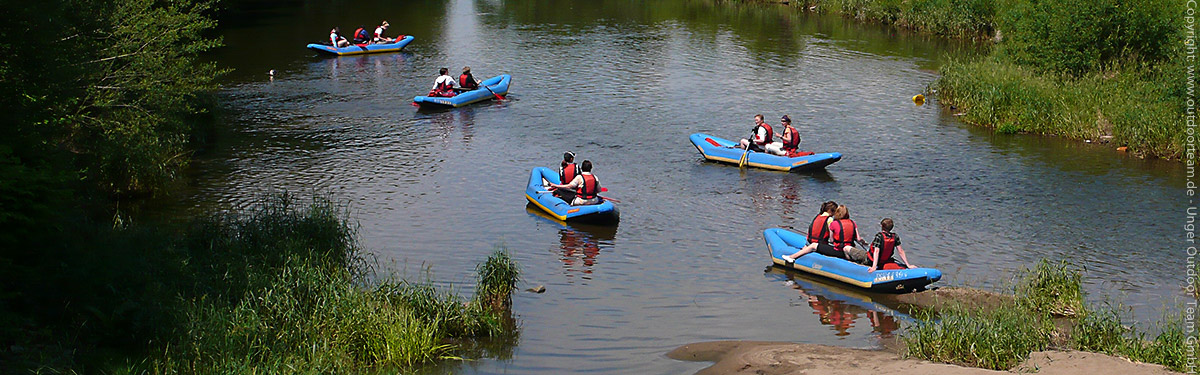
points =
(623, 83)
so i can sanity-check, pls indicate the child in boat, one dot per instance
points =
(586, 186)
(883, 246)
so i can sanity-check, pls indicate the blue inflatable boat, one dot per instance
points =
(538, 195)
(358, 49)
(717, 149)
(782, 242)
(488, 89)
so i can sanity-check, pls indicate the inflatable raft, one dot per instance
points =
(538, 195)
(718, 149)
(497, 85)
(781, 242)
(358, 49)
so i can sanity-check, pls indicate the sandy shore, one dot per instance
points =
(771, 358)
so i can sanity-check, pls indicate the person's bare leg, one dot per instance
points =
(805, 250)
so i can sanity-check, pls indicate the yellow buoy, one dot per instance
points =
(919, 99)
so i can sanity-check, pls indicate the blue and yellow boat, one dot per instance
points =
(487, 90)
(358, 49)
(539, 196)
(782, 242)
(721, 150)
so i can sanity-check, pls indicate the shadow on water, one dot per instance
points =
(841, 307)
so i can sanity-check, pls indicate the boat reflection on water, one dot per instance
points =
(579, 244)
(842, 308)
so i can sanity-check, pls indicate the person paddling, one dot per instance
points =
(789, 140)
(466, 81)
(586, 186)
(443, 86)
(761, 135)
(336, 39)
(885, 244)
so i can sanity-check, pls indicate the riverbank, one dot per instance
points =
(1045, 325)
(1090, 71)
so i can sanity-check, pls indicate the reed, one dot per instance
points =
(1052, 288)
(1048, 312)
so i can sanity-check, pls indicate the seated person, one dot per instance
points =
(843, 232)
(361, 36)
(882, 249)
(790, 139)
(336, 39)
(466, 81)
(761, 136)
(567, 170)
(586, 186)
(444, 85)
(818, 233)
(379, 37)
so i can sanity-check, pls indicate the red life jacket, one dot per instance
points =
(842, 233)
(445, 86)
(770, 134)
(467, 81)
(569, 171)
(590, 187)
(818, 231)
(790, 142)
(885, 250)
(361, 35)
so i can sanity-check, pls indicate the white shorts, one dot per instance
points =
(584, 202)
(775, 148)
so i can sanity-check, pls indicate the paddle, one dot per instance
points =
(498, 97)
(742, 161)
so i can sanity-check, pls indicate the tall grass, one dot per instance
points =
(1053, 288)
(1136, 106)
(997, 339)
(1000, 338)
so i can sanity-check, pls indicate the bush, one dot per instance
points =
(1075, 37)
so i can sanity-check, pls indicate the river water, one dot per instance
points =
(623, 83)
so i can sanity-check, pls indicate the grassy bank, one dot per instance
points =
(1103, 71)
(280, 288)
(1048, 312)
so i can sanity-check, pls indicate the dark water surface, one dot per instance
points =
(623, 83)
